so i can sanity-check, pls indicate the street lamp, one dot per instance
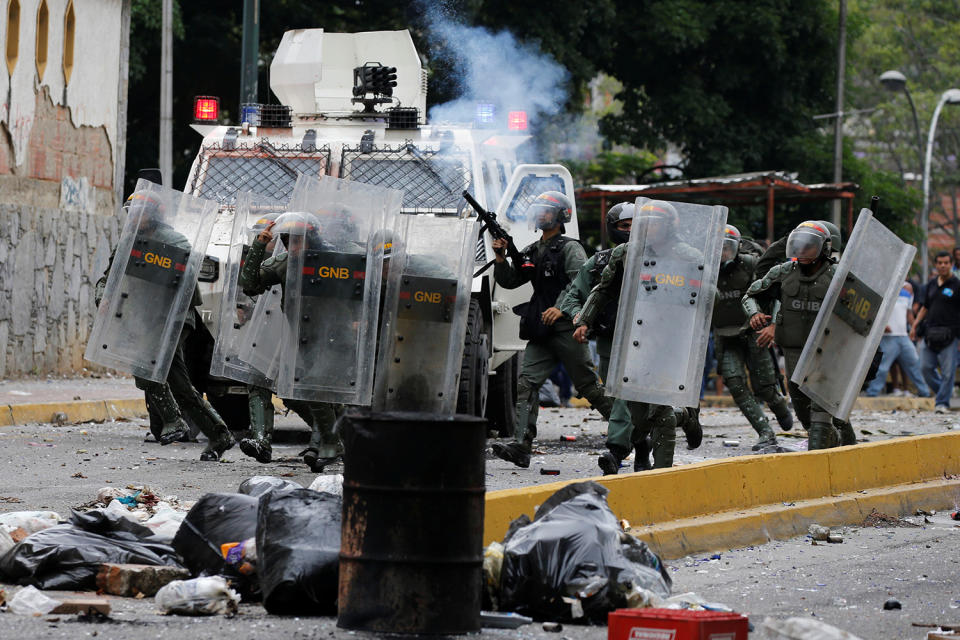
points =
(895, 81)
(950, 96)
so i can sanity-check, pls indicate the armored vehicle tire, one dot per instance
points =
(502, 402)
(474, 381)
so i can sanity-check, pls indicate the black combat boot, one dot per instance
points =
(512, 452)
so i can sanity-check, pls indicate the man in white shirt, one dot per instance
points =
(897, 347)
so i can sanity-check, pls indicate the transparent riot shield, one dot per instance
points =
(666, 302)
(253, 212)
(425, 314)
(853, 315)
(151, 281)
(258, 348)
(332, 288)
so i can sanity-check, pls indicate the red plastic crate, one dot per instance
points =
(675, 624)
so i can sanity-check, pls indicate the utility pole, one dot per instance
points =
(838, 123)
(166, 94)
(250, 53)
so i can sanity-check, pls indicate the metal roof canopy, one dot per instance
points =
(760, 187)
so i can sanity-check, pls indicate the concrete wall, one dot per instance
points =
(60, 152)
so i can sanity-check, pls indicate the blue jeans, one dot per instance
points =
(898, 349)
(945, 360)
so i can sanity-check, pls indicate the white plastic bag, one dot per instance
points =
(31, 601)
(207, 596)
(6, 542)
(328, 484)
(29, 521)
(165, 523)
(800, 629)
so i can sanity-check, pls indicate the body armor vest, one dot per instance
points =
(549, 278)
(733, 282)
(801, 297)
(606, 320)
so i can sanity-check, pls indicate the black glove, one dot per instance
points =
(874, 366)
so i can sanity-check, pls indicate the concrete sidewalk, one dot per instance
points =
(69, 400)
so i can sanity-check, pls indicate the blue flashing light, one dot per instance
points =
(486, 113)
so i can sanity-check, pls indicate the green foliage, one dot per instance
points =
(726, 81)
(610, 167)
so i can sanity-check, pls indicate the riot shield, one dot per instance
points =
(151, 281)
(425, 314)
(332, 289)
(853, 315)
(259, 346)
(666, 302)
(252, 213)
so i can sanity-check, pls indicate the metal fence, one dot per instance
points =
(432, 181)
(267, 169)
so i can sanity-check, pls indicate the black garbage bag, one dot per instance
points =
(216, 519)
(259, 485)
(68, 558)
(298, 547)
(111, 525)
(575, 549)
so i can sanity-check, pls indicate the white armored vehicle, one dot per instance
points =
(340, 115)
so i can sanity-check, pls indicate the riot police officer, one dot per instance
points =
(258, 275)
(656, 421)
(737, 348)
(797, 289)
(177, 394)
(549, 265)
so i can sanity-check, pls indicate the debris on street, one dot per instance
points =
(879, 519)
(800, 629)
(207, 596)
(136, 580)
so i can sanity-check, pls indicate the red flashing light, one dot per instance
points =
(517, 121)
(206, 108)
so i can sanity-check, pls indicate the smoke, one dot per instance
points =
(493, 68)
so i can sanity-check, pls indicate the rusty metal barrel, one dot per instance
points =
(411, 547)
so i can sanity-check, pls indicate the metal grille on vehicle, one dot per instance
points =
(267, 169)
(432, 181)
(530, 188)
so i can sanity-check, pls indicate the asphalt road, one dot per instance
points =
(58, 468)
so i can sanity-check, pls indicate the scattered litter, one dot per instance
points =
(799, 629)
(922, 512)
(955, 515)
(299, 574)
(878, 519)
(10, 500)
(503, 620)
(6, 542)
(834, 538)
(731, 443)
(565, 438)
(40, 444)
(17, 392)
(633, 624)
(892, 604)
(30, 601)
(85, 604)
(553, 627)
(818, 532)
(642, 598)
(492, 565)
(206, 596)
(78, 475)
(241, 555)
(332, 483)
(549, 472)
(29, 521)
(573, 561)
(259, 485)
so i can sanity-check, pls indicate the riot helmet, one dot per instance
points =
(617, 214)
(148, 206)
(836, 243)
(658, 219)
(808, 242)
(548, 210)
(731, 245)
(296, 227)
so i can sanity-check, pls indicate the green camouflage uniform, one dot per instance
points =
(775, 255)
(177, 395)
(620, 428)
(738, 351)
(797, 299)
(658, 421)
(541, 356)
(256, 277)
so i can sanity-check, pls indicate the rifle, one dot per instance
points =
(489, 220)
(776, 371)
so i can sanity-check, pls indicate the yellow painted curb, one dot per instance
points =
(746, 483)
(73, 411)
(880, 403)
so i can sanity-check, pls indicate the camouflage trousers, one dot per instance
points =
(825, 431)
(177, 396)
(322, 417)
(260, 405)
(620, 432)
(735, 356)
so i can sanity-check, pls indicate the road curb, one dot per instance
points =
(879, 403)
(72, 412)
(749, 499)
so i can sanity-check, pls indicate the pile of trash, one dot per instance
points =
(272, 541)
